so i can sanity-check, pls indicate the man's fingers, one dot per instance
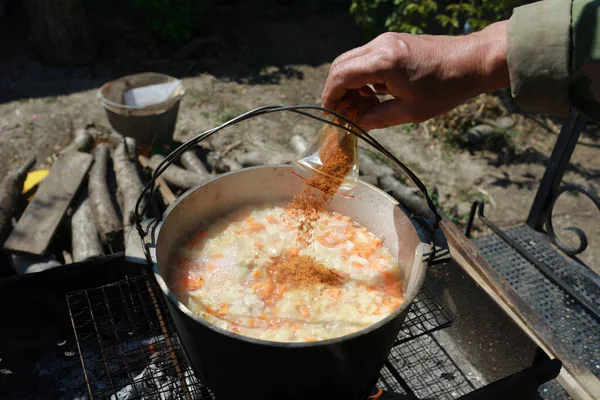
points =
(350, 74)
(389, 113)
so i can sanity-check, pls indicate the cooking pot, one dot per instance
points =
(239, 367)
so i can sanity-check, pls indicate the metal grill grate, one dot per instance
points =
(431, 373)
(578, 330)
(126, 343)
(424, 316)
(129, 349)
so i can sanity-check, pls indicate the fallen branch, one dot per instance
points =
(255, 158)
(103, 211)
(368, 166)
(221, 164)
(405, 195)
(176, 176)
(128, 180)
(85, 243)
(163, 187)
(83, 141)
(10, 190)
(191, 162)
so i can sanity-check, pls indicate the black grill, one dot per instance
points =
(129, 348)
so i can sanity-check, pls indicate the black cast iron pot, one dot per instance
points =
(239, 367)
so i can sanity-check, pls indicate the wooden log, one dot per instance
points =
(182, 178)
(191, 162)
(42, 217)
(128, 180)
(255, 158)
(298, 144)
(85, 242)
(163, 187)
(10, 190)
(405, 195)
(30, 263)
(103, 211)
(221, 164)
(82, 141)
(368, 166)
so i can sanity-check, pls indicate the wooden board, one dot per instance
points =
(39, 221)
(575, 376)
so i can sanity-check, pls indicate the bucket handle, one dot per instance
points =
(350, 127)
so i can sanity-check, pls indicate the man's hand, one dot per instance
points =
(426, 75)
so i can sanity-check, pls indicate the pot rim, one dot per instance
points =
(420, 251)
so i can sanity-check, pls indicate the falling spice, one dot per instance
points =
(337, 156)
(300, 271)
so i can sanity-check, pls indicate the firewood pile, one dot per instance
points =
(84, 208)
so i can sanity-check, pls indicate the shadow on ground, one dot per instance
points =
(249, 42)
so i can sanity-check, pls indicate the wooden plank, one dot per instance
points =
(41, 218)
(575, 376)
(163, 187)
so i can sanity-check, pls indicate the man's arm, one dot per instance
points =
(550, 50)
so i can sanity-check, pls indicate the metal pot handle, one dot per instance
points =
(350, 127)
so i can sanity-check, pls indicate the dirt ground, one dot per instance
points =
(285, 60)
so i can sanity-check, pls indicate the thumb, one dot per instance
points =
(389, 113)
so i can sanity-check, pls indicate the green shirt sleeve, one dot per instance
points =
(539, 41)
(554, 56)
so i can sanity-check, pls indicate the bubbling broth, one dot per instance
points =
(255, 272)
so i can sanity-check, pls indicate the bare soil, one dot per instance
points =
(284, 58)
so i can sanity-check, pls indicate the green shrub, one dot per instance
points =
(169, 19)
(419, 16)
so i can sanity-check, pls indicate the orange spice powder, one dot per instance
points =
(337, 157)
(302, 271)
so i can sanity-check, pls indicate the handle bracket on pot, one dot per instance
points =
(350, 127)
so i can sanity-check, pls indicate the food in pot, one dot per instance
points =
(254, 272)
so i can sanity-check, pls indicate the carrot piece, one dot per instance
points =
(259, 245)
(209, 310)
(256, 227)
(223, 310)
(257, 273)
(235, 329)
(194, 282)
(264, 288)
(271, 219)
(310, 339)
(346, 219)
(218, 255)
(377, 395)
(210, 267)
(249, 220)
(356, 264)
(334, 292)
(294, 252)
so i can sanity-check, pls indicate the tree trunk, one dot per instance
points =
(109, 225)
(59, 31)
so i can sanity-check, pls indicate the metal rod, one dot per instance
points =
(130, 375)
(542, 267)
(396, 375)
(167, 337)
(557, 165)
(85, 375)
(101, 342)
